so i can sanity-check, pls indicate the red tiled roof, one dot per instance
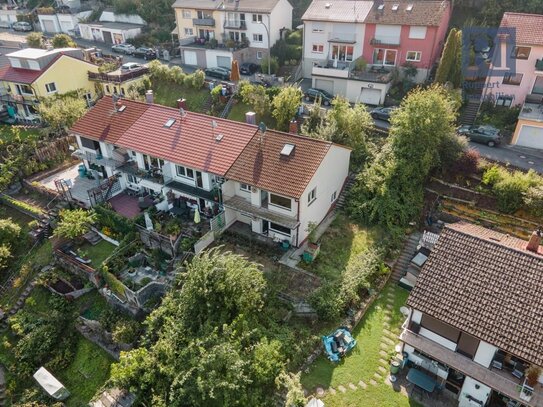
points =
(528, 27)
(20, 75)
(261, 164)
(486, 284)
(423, 12)
(103, 123)
(191, 141)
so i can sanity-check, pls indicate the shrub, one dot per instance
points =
(176, 75)
(272, 62)
(511, 190)
(35, 210)
(493, 175)
(107, 67)
(326, 302)
(5, 256)
(467, 164)
(112, 282)
(126, 331)
(9, 231)
(534, 200)
(199, 78)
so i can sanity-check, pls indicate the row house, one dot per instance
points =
(36, 73)
(475, 319)
(213, 32)
(351, 48)
(267, 182)
(522, 50)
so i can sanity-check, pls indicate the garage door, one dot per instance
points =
(225, 62)
(48, 26)
(190, 58)
(328, 86)
(530, 136)
(370, 96)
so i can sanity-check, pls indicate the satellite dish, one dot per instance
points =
(262, 127)
(182, 113)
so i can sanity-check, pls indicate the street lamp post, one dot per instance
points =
(269, 46)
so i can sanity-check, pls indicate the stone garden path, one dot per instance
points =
(389, 340)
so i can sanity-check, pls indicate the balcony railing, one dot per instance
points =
(154, 175)
(23, 99)
(97, 158)
(533, 108)
(235, 24)
(212, 195)
(207, 22)
(347, 38)
(117, 76)
(508, 386)
(384, 40)
(337, 69)
(377, 74)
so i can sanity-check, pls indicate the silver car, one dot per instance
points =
(125, 48)
(21, 26)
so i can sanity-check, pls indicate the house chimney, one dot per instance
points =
(293, 127)
(250, 117)
(182, 104)
(535, 241)
(149, 97)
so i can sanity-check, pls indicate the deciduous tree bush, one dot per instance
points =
(450, 65)
(74, 223)
(256, 97)
(285, 106)
(34, 40)
(62, 112)
(63, 41)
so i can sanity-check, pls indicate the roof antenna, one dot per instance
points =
(213, 127)
(262, 129)
(182, 113)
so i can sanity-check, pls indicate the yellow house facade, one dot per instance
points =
(34, 74)
(198, 18)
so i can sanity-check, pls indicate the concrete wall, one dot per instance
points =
(485, 353)
(329, 178)
(352, 88)
(110, 16)
(475, 389)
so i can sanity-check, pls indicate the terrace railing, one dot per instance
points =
(117, 77)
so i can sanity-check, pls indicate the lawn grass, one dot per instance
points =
(97, 253)
(91, 305)
(86, 374)
(166, 93)
(238, 111)
(342, 242)
(362, 362)
(7, 133)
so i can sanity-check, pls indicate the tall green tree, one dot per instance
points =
(285, 105)
(450, 65)
(35, 40)
(390, 191)
(62, 112)
(256, 97)
(207, 344)
(74, 223)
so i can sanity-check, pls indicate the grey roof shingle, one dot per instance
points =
(488, 285)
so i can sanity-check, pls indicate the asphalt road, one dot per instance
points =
(521, 157)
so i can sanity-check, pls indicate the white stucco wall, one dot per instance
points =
(425, 363)
(281, 16)
(211, 56)
(485, 353)
(329, 178)
(470, 388)
(437, 338)
(416, 316)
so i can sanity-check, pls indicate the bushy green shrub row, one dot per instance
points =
(514, 189)
(175, 74)
(112, 220)
(22, 205)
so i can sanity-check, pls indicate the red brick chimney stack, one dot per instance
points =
(534, 242)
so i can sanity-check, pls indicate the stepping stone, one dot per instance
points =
(332, 390)
(377, 376)
(320, 391)
(352, 386)
(387, 318)
(362, 384)
(383, 362)
(383, 353)
(382, 369)
(389, 306)
(384, 346)
(387, 340)
(341, 388)
(373, 382)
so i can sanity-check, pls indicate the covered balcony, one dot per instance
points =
(499, 380)
(386, 40)
(205, 22)
(344, 38)
(118, 76)
(235, 24)
(539, 65)
(153, 175)
(335, 68)
(212, 195)
(245, 207)
(95, 157)
(533, 108)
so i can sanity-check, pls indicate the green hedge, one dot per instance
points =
(114, 221)
(113, 283)
(21, 205)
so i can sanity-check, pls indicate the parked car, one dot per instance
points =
(248, 68)
(218, 72)
(382, 113)
(318, 94)
(124, 48)
(145, 53)
(21, 26)
(131, 66)
(488, 135)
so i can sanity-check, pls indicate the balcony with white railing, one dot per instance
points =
(96, 157)
(389, 40)
(532, 108)
(344, 38)
(335, 68)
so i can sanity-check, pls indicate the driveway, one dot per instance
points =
(521, 157)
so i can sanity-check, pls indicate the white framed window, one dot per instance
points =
(280, 201)
(318, 48)
(259, 55)
(317, 27)
(279, 229)
(24, 90)
(132, 179)
(245, 187)
(383, 56)
(258, 37)
(189, 31)
(333, 197)
(51, 87)
(184, 172)
(311, 196)
(417, 32)
(506, 101)
(342, 52)
(257, 18)
(187, 14)
(414, 56)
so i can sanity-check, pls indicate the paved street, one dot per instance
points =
(521, 157)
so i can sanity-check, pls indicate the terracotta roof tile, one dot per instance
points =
(191, 141)
(22, 75)
(338, 10)
(262, 165)
(428, 13)
(488, 285)
(528, 27)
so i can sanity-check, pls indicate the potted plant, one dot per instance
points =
(532, 375)
(230, 44)
(313, 246)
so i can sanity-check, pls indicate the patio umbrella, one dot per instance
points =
(234, 73)
(197, 216)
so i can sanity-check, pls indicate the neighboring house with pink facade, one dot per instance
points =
(385, 34)
(525, 85)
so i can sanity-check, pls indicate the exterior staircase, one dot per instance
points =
(470, 112)
(340, 204)
(400, 266)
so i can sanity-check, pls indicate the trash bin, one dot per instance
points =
(82, 171)
(405, 359)
(395, 366)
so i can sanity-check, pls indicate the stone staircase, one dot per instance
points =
(470, 112)
(340, 204)
(400, 266)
